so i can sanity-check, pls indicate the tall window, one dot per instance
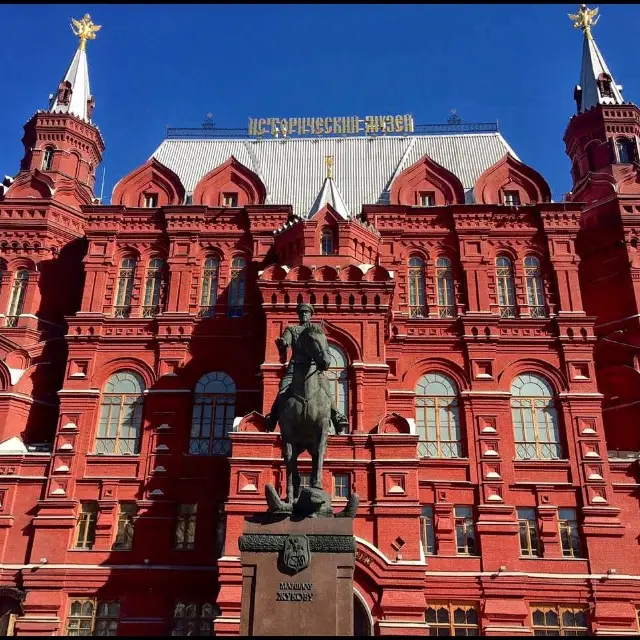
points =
(91, 618)
(153, 288)
(47, 159)
(209, 293)
(417, 307)
(190, 619)
(559, 621)
(452, 619)
(427, 535)
(444, 277)
(150, 200)
(185, 534)
(465, 531)
(506, 287)
(16, 301)
(125, 288)
(427, 199)
(437, 417)
(237, 286)
(120, 415)
(326, 242)
(341, 485)
(535, 289)
(511, 198)
(626, 150)
(213, 414)
(535, 420)
(569, 534)
(124, 533)
(86, 525)
(337, 377)
(528, 525)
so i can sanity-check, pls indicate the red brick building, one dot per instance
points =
(485, 348)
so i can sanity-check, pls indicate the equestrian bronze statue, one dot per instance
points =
(305, 410)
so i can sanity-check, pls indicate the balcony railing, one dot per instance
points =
(210, 446)
(417, 311)
(508, 312)
(446, 449)
(11, 321)
(538, 311)
(122, 311)
(117, 446)
(446, 312)
(150, 311)
(206, 312)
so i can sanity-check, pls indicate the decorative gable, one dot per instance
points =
(510, 181)
(151, 185)
(231, 185)
(427, 184)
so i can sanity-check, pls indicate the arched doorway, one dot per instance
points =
(362, 620)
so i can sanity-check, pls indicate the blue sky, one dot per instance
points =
(158, 65)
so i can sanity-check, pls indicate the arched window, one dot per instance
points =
(338, 379)
(213, 412)
(326, 242)
(16, 301)
(153, 288)
(535, 289)
(506, 287)
(437, 417)
(626, 151)
(125, 288)
(209, 292)
(444, 277)
(120, 414)
(417, 307)
(47, 159)
(535, 420)
(237, 286)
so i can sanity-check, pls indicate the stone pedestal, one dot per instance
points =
(297, 577)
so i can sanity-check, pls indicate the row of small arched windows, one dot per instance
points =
(534, 416)
(505, 287)
(155, 277)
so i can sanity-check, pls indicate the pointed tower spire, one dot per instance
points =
(597, 85)
(329, 194)
(73, 95)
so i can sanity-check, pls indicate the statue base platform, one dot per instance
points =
(297, 576)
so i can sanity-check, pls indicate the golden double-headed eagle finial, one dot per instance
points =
(328, 160)
(584, 19)
(84, 29)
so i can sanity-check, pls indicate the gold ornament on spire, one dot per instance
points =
(85, 30)
(328, 160)
(584, 20)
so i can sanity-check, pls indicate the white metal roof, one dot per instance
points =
(293, 170)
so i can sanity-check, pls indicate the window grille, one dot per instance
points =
(559, 621)
(569, 534)
(506, 287)
(417, 308)
(452, 619)
(465, 531)
(535, 419)
(528, 526)
(124, 533)
(191, 619)
(535, 287)
(427, 534)
(120, 415)
(91, 618)
(341, 485)
(122, 307)
(444, 278)
(16, 301)
(185, 534)
(47, 159)
(326, 242)
(209, 292)
(153, 288)
(213, 414)
(86, 525)
(437, 417)
(237, 287)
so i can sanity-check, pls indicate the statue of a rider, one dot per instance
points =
(289, 338)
